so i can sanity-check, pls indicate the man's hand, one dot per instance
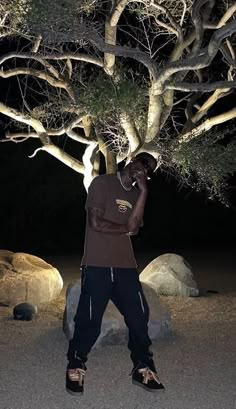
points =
(141, 180)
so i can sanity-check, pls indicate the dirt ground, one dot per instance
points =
(197, 363)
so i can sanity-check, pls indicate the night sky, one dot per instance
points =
(42, 209)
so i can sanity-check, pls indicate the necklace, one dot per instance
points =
(122, 184)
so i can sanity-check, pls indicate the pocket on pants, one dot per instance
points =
(83, 270)
(141, 301)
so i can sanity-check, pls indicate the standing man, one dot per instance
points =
(115, 210)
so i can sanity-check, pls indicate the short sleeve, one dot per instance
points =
(97, 193)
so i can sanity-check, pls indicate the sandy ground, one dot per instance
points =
(197, 364)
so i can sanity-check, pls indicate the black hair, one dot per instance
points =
(146, 156)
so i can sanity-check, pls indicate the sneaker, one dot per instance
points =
(75, 381)
(147, 379)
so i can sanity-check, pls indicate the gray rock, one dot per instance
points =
(27, 278)
(113, 330)
(170, 274)
(24, 311)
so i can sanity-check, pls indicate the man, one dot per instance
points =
(115, 208)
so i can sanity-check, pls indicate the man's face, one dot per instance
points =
(144, 165)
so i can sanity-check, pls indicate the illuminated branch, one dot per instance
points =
(110, 34)
(41, 131)
(37, 43)
(198, 23)
(177, 28)
(88, 161)
(228, 14)
(41, 75)
(62, 156)
(207, 125)
(53, 56)
(23, 118)
(202, 61)
(203, 87)
(131, 132)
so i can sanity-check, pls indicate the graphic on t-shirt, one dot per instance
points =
(123, 205)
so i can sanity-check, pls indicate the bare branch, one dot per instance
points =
(69, 68)
(228, 14)
(66, 129)
(207, 125)
(198, 23)
(205, 87)
(166, 12)
(124, 51)
(53, 56)
(219, 93)
(131, 132)
(37, 43)
(166, 26)
(202, 61)
(110, 38)
(88, 160)
(154, 113)
(23, 118)
(118, 10)
(64, 157)
(41, 75)
(184, 12)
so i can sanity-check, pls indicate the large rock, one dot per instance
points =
(27, 278)
(170, 274)
(113, 330)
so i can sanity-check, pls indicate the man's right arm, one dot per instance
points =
(98, 223)
(95, 207)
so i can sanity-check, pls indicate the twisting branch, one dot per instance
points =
(202, 61)
(166, 12)
(118, 10)
(206, 126)
(88, 161)
(111, 33)
(219, 93)
(228, 14)
(42, 134)
(198, 23)
(62, 156)
(126, 52)
(184, 12)
(53, 56)
(23, 118)
(203, 87)
(131, 132)
(41, 75)
(37, 43)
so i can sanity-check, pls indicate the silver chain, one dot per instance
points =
(124, 187)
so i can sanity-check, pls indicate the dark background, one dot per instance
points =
(42, 210)
(42, 203)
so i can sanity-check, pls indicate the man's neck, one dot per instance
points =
(126, 179)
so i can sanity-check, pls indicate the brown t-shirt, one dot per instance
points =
(109, 250)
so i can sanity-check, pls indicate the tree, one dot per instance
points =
(124, 76)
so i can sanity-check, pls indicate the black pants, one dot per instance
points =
(122, 286)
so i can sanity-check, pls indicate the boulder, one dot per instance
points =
(27, 278)
(24, 311)
(113, 330)
(170, 274)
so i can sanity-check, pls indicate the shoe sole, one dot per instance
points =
(74, 393)
(148, 389)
